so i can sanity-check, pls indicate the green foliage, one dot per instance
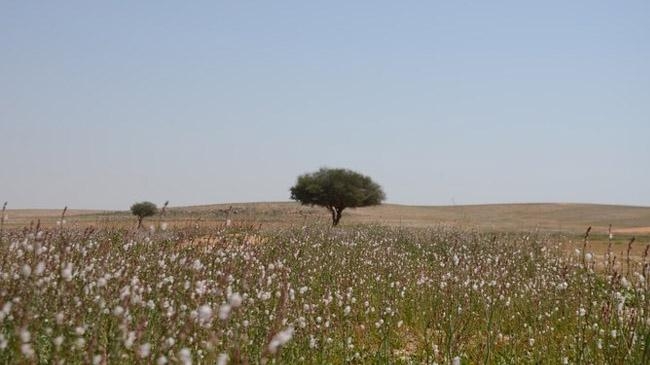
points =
(142, 210)
(337, 189)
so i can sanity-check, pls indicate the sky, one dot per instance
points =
(440, 102)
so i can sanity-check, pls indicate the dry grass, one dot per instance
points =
(567, 218)
(47, 217)
(515, 217)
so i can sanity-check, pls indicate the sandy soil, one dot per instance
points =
(632, 230)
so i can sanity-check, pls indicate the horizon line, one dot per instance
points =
(70, 208)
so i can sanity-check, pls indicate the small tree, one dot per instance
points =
(142, 210)
(336, 189)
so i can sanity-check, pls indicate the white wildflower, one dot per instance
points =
(235, 300)
(40, 267)
(197, 265)
(118, 310)
(280, 339)
(66, 272)
(26, 270)
(6, 308)
(144, 350)
(58, 341)
(205, 313)
(130, 339)
(185, 356)
(625, 283)
(222, 359)
(27, 350)
(224, 311)
(24, 335)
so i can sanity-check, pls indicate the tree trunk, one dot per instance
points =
(337, 213)
(336, 216)
(140, 222)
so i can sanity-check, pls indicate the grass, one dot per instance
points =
(568, 218)
(311, 294)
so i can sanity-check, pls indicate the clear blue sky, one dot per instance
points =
(102, 104)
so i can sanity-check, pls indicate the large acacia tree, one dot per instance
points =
(337, 189)
(143, 210)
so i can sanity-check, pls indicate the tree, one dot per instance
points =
(142, 210)
(336, 189)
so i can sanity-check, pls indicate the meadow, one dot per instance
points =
(307, 293)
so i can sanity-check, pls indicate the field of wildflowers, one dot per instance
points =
(362, 294)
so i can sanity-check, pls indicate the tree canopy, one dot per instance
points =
(336, 189)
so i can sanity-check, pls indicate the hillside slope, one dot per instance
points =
(502, 217)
